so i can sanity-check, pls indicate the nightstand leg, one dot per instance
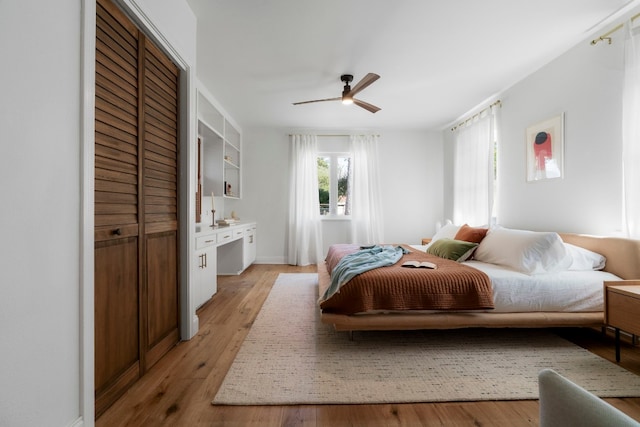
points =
(617, 345)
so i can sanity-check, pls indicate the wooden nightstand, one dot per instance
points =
(622, 308)
(426, 241)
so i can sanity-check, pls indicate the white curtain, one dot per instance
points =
(366, 202)
(473, 174)
(631, 133)
(305, 238)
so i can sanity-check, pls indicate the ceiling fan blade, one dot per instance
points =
(366, 105)
(318, 100)
(366, 81)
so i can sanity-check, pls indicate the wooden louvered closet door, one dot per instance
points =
(160, 202)
(136, 199)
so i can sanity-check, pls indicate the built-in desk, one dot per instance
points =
(227, 250)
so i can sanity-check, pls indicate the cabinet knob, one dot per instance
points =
(117, 232)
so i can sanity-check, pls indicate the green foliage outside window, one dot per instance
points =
(323, 180)
(341, 172)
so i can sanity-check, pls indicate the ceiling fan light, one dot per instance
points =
(347, 99)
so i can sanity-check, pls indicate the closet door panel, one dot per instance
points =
(110, 20)
(161, 78)
(162, 294)
(116, 126)
(162, 146)
(117, 261)
(160, 213)
(116, 319)
(112, 137)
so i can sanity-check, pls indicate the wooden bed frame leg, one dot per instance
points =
(350, 335)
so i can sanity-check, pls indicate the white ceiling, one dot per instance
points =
(437, 59)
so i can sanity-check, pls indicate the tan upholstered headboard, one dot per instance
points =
(623, 255)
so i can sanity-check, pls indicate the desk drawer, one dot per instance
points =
(225, 236)
(204, 241)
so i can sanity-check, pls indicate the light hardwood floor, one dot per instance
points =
(178, 390)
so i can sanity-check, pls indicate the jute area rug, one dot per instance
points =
(290, 357)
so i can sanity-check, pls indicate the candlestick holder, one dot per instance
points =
(213, 217)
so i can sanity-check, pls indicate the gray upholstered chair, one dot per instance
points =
(565, 404)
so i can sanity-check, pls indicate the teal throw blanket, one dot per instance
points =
(359, 262)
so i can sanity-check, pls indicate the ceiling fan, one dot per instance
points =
(348, 93)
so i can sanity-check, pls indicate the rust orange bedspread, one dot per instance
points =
(452, 286)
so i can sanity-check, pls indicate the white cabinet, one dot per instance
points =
(224, 251)
(249, 249)
(206, 280)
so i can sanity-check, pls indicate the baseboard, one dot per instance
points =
(271, 260)
(195, 325)
(78, 422)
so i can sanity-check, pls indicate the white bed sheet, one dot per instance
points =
(565, 291)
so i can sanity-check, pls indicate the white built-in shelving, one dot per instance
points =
(221, 151)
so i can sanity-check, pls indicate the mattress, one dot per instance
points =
(565, 291)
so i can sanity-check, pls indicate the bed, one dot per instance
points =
(622, 263)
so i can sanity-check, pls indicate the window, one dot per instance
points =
(475, 169)
(334, 183)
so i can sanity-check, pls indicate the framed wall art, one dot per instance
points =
(545, 149)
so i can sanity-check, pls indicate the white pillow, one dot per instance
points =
(529, 252)
(448, 231)
(584, 259)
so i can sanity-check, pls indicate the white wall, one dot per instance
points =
(265, 190)
(174, 20)
(411, 176)
(40, 216)
(586, 85)
(412, 183)
(43, 282)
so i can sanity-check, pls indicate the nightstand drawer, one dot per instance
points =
(623, 310)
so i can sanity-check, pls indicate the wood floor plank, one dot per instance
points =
(178, 390)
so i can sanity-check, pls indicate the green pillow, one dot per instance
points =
(457, 250)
